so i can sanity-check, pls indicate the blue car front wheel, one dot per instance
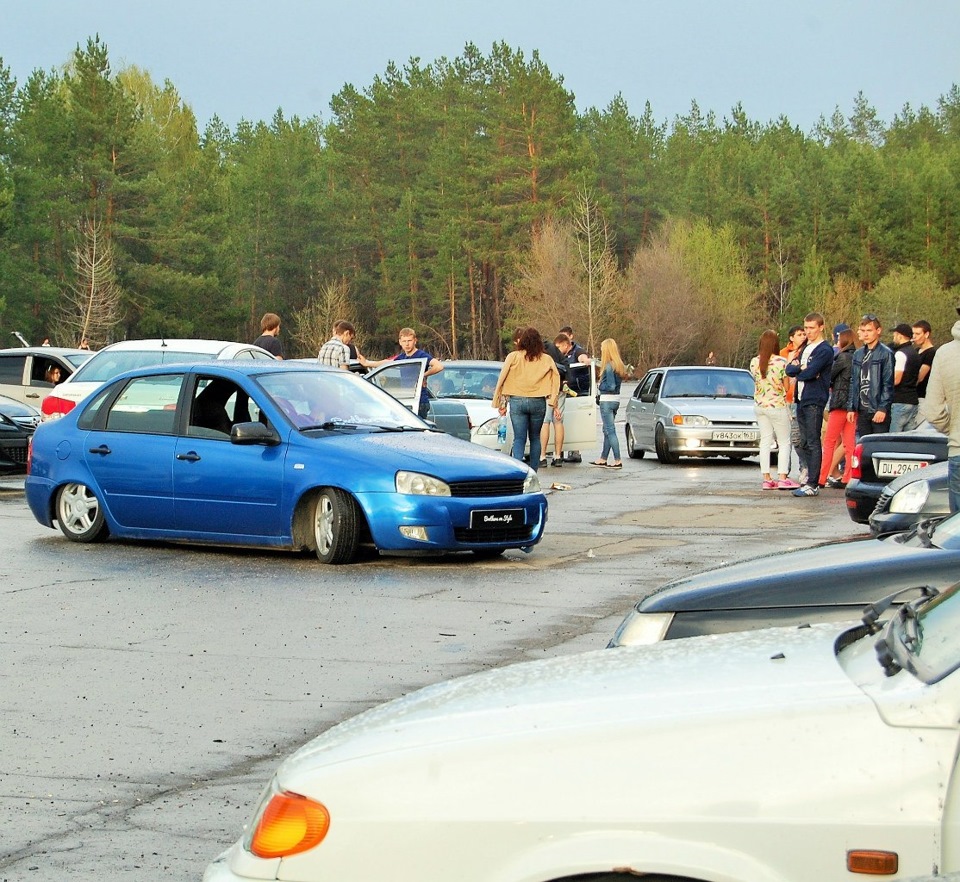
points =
(335, 526)
(79, 514)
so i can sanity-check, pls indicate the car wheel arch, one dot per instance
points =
(302, 533)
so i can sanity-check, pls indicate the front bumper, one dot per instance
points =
(700, 441)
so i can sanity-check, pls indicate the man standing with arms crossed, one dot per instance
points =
(871, 381)
(811, 368)
(942, 406)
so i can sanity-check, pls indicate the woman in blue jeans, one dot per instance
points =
(612, 373)
(530, 382)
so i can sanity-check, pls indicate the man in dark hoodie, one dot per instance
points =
(811, 368)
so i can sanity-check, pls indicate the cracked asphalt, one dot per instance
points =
(149, 691)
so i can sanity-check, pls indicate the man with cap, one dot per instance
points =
(906, 370)
(942, 406)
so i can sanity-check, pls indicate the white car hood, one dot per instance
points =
(715, 409)
(753, 672)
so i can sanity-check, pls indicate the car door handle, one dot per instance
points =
(189, 457)
(103, 450)
(33, 395)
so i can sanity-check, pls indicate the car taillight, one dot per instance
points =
(855, 462)
(53, 407)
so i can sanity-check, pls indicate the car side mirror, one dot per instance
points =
(254, 433)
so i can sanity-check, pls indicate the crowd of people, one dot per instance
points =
(812, 398)
(873, 387)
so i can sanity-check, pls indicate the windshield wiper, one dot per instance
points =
(873, 611)
(912, 631)
(329, 426)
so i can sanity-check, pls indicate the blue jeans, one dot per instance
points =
(810, 422)
(608, 413)
(953, 483)
(526, 416)
(903, 417)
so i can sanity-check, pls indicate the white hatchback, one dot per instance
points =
(128, 355)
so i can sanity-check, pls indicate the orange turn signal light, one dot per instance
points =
(873, 863)
(290, 824)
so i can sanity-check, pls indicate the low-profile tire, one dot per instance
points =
(664, 453)
(633, 451)
(79, 514)
(335, 528)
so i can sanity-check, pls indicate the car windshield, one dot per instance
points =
(110, 363)
(707, 384)
(334, 400)
(924, 637)
(465, 382)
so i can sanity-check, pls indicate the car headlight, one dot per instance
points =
(415, 484)
(490, 427)
(690, 420)
(639, 629)
(532, 483)
(911, 499)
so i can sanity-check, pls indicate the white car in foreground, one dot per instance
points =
(812, 753)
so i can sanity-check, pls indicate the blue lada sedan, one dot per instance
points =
(280, 455)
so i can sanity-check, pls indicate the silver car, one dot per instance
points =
(693, 411)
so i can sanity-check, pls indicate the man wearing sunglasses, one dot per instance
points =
(871, 381)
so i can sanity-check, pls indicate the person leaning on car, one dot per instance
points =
(871, 381)
(942, 406)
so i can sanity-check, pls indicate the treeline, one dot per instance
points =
(463, 197)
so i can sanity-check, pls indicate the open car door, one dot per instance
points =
(580, 412)
(402, 379)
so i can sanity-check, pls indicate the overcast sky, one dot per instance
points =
(246, 58)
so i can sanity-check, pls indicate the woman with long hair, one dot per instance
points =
(770, 405)
(839, 428)
(612, 373)
(529, 382)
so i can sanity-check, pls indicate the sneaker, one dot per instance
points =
(787, 484)
(835, 484)
(768, 485)
(806, 490)
(556, 462)
(574, 456)
(543, 462)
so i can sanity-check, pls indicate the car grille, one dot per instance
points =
(507, 534)
(513, 487)
(883, 504)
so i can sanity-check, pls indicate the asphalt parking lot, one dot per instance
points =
(149, 691)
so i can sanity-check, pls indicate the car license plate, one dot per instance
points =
(893, 468)
(736, 436)
(496, 519)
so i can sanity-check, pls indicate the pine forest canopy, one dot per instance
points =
(464, 197)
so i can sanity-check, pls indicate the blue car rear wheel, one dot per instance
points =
(79, 514)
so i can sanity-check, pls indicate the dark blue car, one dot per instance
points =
(272, 454)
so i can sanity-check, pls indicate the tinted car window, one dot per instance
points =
(11, 369)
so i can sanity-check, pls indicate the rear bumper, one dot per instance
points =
(861, 498)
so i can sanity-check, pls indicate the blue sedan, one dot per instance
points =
(278, 455)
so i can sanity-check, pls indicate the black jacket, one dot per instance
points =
(840, 378)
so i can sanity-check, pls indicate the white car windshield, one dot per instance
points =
(333, 399)
(110, 363)
(465, 382)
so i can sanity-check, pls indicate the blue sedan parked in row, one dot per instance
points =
(272, 454)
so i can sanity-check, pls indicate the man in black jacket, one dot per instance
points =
(871, 382)
(906, 371)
